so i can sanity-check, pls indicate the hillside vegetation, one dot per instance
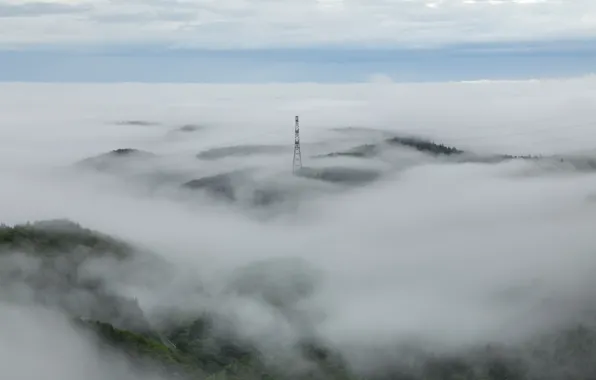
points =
(191, 348)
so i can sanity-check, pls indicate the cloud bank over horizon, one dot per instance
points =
(292, 23)
(294, 40)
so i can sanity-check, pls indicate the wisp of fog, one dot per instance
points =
(398, 248)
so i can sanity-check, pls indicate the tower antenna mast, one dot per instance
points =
(297, 164)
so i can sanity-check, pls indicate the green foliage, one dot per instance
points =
(59, 249)
(190, 361)
(421, 145)
(139, 346)
(214, 352)
(54, 237)
(372, 150)
(424, 146)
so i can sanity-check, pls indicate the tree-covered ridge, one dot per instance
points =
(58, 253)
(117, 160)
(421, 145)
(424, 145)
(194, 355)
(58, 237)
(190, 347)
(143, 351)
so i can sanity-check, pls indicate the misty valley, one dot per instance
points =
(63, 267)
(143, 240)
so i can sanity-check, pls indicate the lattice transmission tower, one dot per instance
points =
(297, 164)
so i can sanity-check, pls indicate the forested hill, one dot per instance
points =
(191, 348)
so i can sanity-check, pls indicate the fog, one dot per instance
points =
(40, 343)
(442, 253)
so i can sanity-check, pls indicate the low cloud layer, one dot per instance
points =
(450, 254)
(40, 343)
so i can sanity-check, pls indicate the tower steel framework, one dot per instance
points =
(297, 164)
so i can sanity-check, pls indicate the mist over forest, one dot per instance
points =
(435, 231)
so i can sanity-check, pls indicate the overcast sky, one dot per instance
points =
(329, 40)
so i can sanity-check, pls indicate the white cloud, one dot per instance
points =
(261, 23)
(40, 343)
(429, 250)
(380, 78)
(450, 235)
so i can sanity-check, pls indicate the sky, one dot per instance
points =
(294, 40)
